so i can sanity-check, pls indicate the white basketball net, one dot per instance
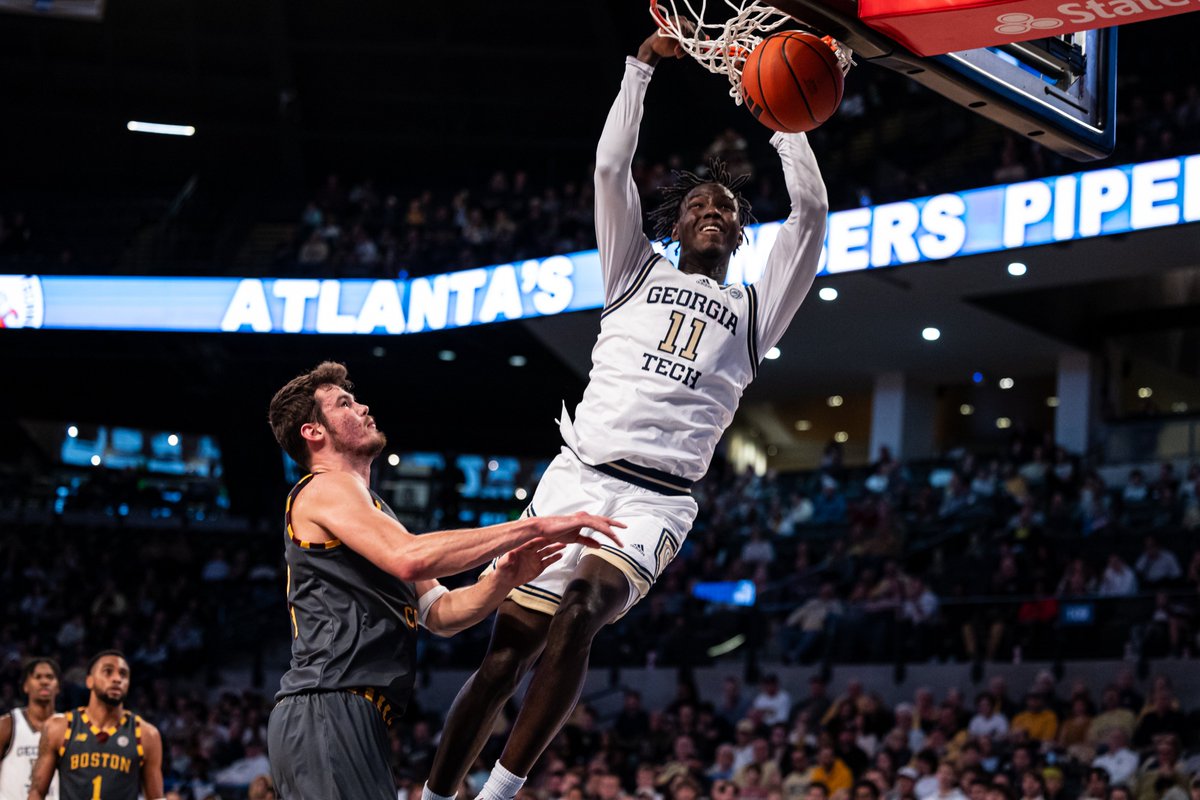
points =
(722, 47)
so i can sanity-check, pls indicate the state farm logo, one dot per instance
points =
(20, 301)
(1018, 23)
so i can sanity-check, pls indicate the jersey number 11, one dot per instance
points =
(667, 345)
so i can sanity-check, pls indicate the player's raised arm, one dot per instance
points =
(53, 734)
(623, 247)
(446, 612)
(341, 506)
(152, 778)
(792, 264)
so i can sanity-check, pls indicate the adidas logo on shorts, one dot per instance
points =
(639, 548)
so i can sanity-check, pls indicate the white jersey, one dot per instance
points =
(16, 768)
(676, 350)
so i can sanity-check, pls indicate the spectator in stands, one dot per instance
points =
(752, 787)
(1157, 565)
(1162, 718)
(743, 744)
(315, 250)
(810, 625)
(1136, 492)
(1112, 716)
(1038, 721)
(926, 764)
(956, 499)
(1162, 770)
(733, 704)
(1055, 783)
(829, 506)
(1096, 784)
(831, 771)
(632, 723)
(906, 782)
(217, 568)
(1073, 731)
(988, 722)
(722, 767)
(919, 612)
(1033, 786)
(865, 790)
(774, 702)
(947, 785)
(1118, 579)
(758, 550)
(796, 782)
(768, 769)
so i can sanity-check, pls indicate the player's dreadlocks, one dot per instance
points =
(664, 217)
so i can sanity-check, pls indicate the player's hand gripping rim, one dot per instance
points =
(570, 529)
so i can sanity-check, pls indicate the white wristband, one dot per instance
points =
(427, 600)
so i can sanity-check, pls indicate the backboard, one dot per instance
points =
(1059, 91)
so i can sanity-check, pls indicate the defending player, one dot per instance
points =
(675, 352)
(20, 729)
(101, 751)
(359, 584)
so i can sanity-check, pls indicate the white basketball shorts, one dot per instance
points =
(657, 525)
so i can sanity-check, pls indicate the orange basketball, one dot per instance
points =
(792, 82)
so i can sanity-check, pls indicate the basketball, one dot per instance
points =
(792, 82)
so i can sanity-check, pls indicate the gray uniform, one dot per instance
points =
(354, 636)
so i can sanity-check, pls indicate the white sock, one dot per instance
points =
(501, 785)
(429, 794)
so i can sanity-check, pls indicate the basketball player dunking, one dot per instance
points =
(676, 349)
(101, 751)
(359, 584)
(20, 729)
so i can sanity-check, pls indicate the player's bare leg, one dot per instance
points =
(594, 597)
(517, 638)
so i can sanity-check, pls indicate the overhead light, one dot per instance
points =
(772, 354)
(394, 460)
(1003, 422)
(173, 440)
(1052, 401)
(966, 409)
(1016, 269)
(834, 400)
(828, 294)
(1179, 408)
(841, 437)
(1145, 392)
(517, 361)
(493, 465)
(72, 431)
(803, 425)
(95, 461)
(1006, 383)
(378, 351)
(160, 128)
(977, 377)
(447, 355)
(931, 334)
(520, 493)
